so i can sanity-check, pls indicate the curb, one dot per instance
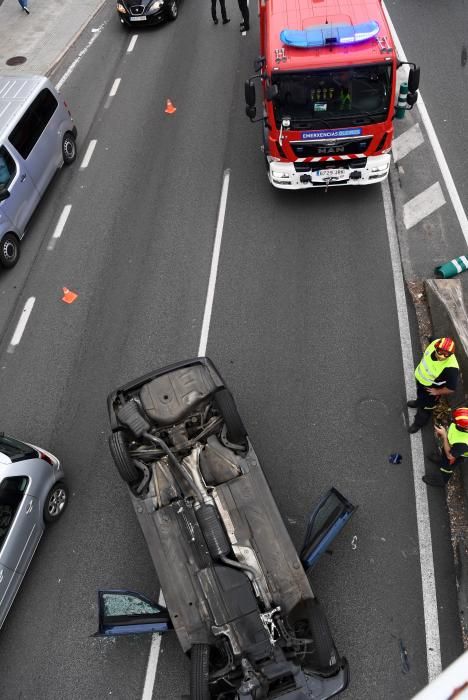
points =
(439, 306)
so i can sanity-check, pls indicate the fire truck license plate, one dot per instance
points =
(335, 173)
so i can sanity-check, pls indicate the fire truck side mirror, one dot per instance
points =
(249, 89)
(251, 112)
(413, 79)
(411, 99)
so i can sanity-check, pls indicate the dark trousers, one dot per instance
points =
(446, 469)
(243, 7)
(426, 403)
(222, 6)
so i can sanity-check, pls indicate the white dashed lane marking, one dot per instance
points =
(407, 142)
(25, 314)
(422, 205)
(88, 154)
(132, 43)
(60, 226)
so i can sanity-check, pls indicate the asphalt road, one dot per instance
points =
(304, 329)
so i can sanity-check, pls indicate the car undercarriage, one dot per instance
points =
(236, 590)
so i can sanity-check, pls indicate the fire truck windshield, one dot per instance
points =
(334, 95)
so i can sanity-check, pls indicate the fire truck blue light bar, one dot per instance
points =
(329, 35)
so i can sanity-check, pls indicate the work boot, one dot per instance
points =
(412, 404)
(413, 428)
(215, 20)
(434, 480)
(226, 20)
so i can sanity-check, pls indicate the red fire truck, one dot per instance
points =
(328, 71)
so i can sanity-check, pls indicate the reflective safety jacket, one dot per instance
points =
(428, 370)
(454, 435)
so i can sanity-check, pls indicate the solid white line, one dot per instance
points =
(132, 43)
(424, 204)
(214, 265)
(88, 154)
(115, 87)
(431, 619)
(73, 65)
(444, 168)
(28, 307)
(60, 226)
(152, 665)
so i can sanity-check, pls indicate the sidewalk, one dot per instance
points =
(42, 37)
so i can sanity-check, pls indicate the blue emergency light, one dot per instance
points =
(329, 35)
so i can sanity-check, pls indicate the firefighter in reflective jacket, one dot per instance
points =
(454, 448)
(436, 375)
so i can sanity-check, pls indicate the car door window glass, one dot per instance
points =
(26, 133)
(7, 169)
(16, 450)
(116, 605)
(12, 490)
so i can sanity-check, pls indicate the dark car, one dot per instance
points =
(135, 12)
(237, 593)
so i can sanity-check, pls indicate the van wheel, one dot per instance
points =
(236, 432)
(68, 148)
(199, 671)
(9, 250)
(173, 11)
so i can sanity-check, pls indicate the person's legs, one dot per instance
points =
(222, 4)
(213, 10)
(443, 476)
(244, 8)
(425, 404)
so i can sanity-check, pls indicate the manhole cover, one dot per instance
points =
(372, 412)
(16, 60)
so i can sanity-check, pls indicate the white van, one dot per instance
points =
(37, 136)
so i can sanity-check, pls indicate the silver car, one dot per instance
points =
(32, 494)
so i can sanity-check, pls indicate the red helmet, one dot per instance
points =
(446, 345)
(460, 418)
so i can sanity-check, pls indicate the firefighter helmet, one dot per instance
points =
(446, 345)
(460, 418)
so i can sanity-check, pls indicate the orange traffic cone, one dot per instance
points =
(170, 109)
(68, 296)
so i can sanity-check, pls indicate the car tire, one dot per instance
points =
(199, 672)
(56, 502)
(68, 148)
(236, 432)
(9, 250)
(172, 10)
(124, 463)
(325, 650)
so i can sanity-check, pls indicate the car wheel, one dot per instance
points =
(123, 461)
(69, 148)
(199, 672)
(325, 651)
(56, 502)
(173, 10)
(9, 250)
(236, 432)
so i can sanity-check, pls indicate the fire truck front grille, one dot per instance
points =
(304, 149)
(346, 164)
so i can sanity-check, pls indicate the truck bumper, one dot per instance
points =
(300, 176)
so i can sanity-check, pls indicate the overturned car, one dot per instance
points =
(237, 593)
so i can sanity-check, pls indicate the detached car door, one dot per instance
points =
(326, 521)
(127, 612)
